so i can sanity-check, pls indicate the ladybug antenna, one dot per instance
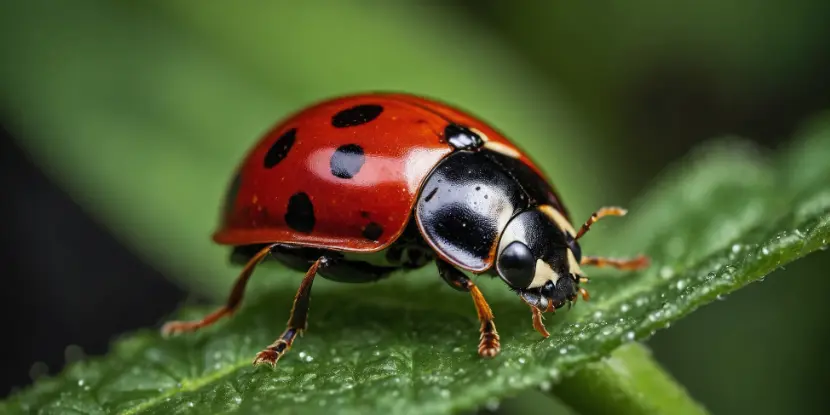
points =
(605, 211)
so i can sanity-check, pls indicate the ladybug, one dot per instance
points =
(356, 187)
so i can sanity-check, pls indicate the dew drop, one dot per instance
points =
(492, 405)
(308, 358)
(456, 350)
(666, 272)
(624, 308)
(736, 248)
(302, 355)
(545, 386)
(628, 336)
(489, 372)
(521, 360)
(765, 251)
(445, 393)
(80, 382)
(554, 374)
(190, 404)
(376, 353)
(237, 400)
(721, 297)
(563, 350)
(681, 284)
(597, 314)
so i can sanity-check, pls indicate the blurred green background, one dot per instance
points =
(137, 111)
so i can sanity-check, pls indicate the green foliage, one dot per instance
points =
(726, 217)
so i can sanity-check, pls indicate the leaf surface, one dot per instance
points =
(725, 217)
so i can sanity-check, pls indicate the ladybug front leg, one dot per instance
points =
(230, 306)
(297, 322)
(489, 345)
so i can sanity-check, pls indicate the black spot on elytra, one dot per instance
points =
(372, 231)
(364, 214)
(461, 137)
(300, 213)
(280, 148)
(347, 161)
(357, 115)
(230, 196)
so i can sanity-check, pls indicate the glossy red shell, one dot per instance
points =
(401, 146)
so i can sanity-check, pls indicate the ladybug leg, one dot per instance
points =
(538, 321)
(489, 345)
(297, 322)
(235, 298)
(601, 213)
(625, 264)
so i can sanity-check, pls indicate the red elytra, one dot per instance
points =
(400, 150)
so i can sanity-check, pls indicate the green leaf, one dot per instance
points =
(724, 218)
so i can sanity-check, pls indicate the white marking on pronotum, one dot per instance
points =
(563, 223)
(544, 273)
(502, 149)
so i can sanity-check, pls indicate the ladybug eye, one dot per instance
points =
(516, 265)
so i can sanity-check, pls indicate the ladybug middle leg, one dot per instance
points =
(489, 345)
(297, 322)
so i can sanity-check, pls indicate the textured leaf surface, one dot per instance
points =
(725, 218)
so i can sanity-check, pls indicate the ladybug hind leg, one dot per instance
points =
(233, 302)
(489, 345)
(296, 323)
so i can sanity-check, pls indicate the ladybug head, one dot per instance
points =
(539, 259)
